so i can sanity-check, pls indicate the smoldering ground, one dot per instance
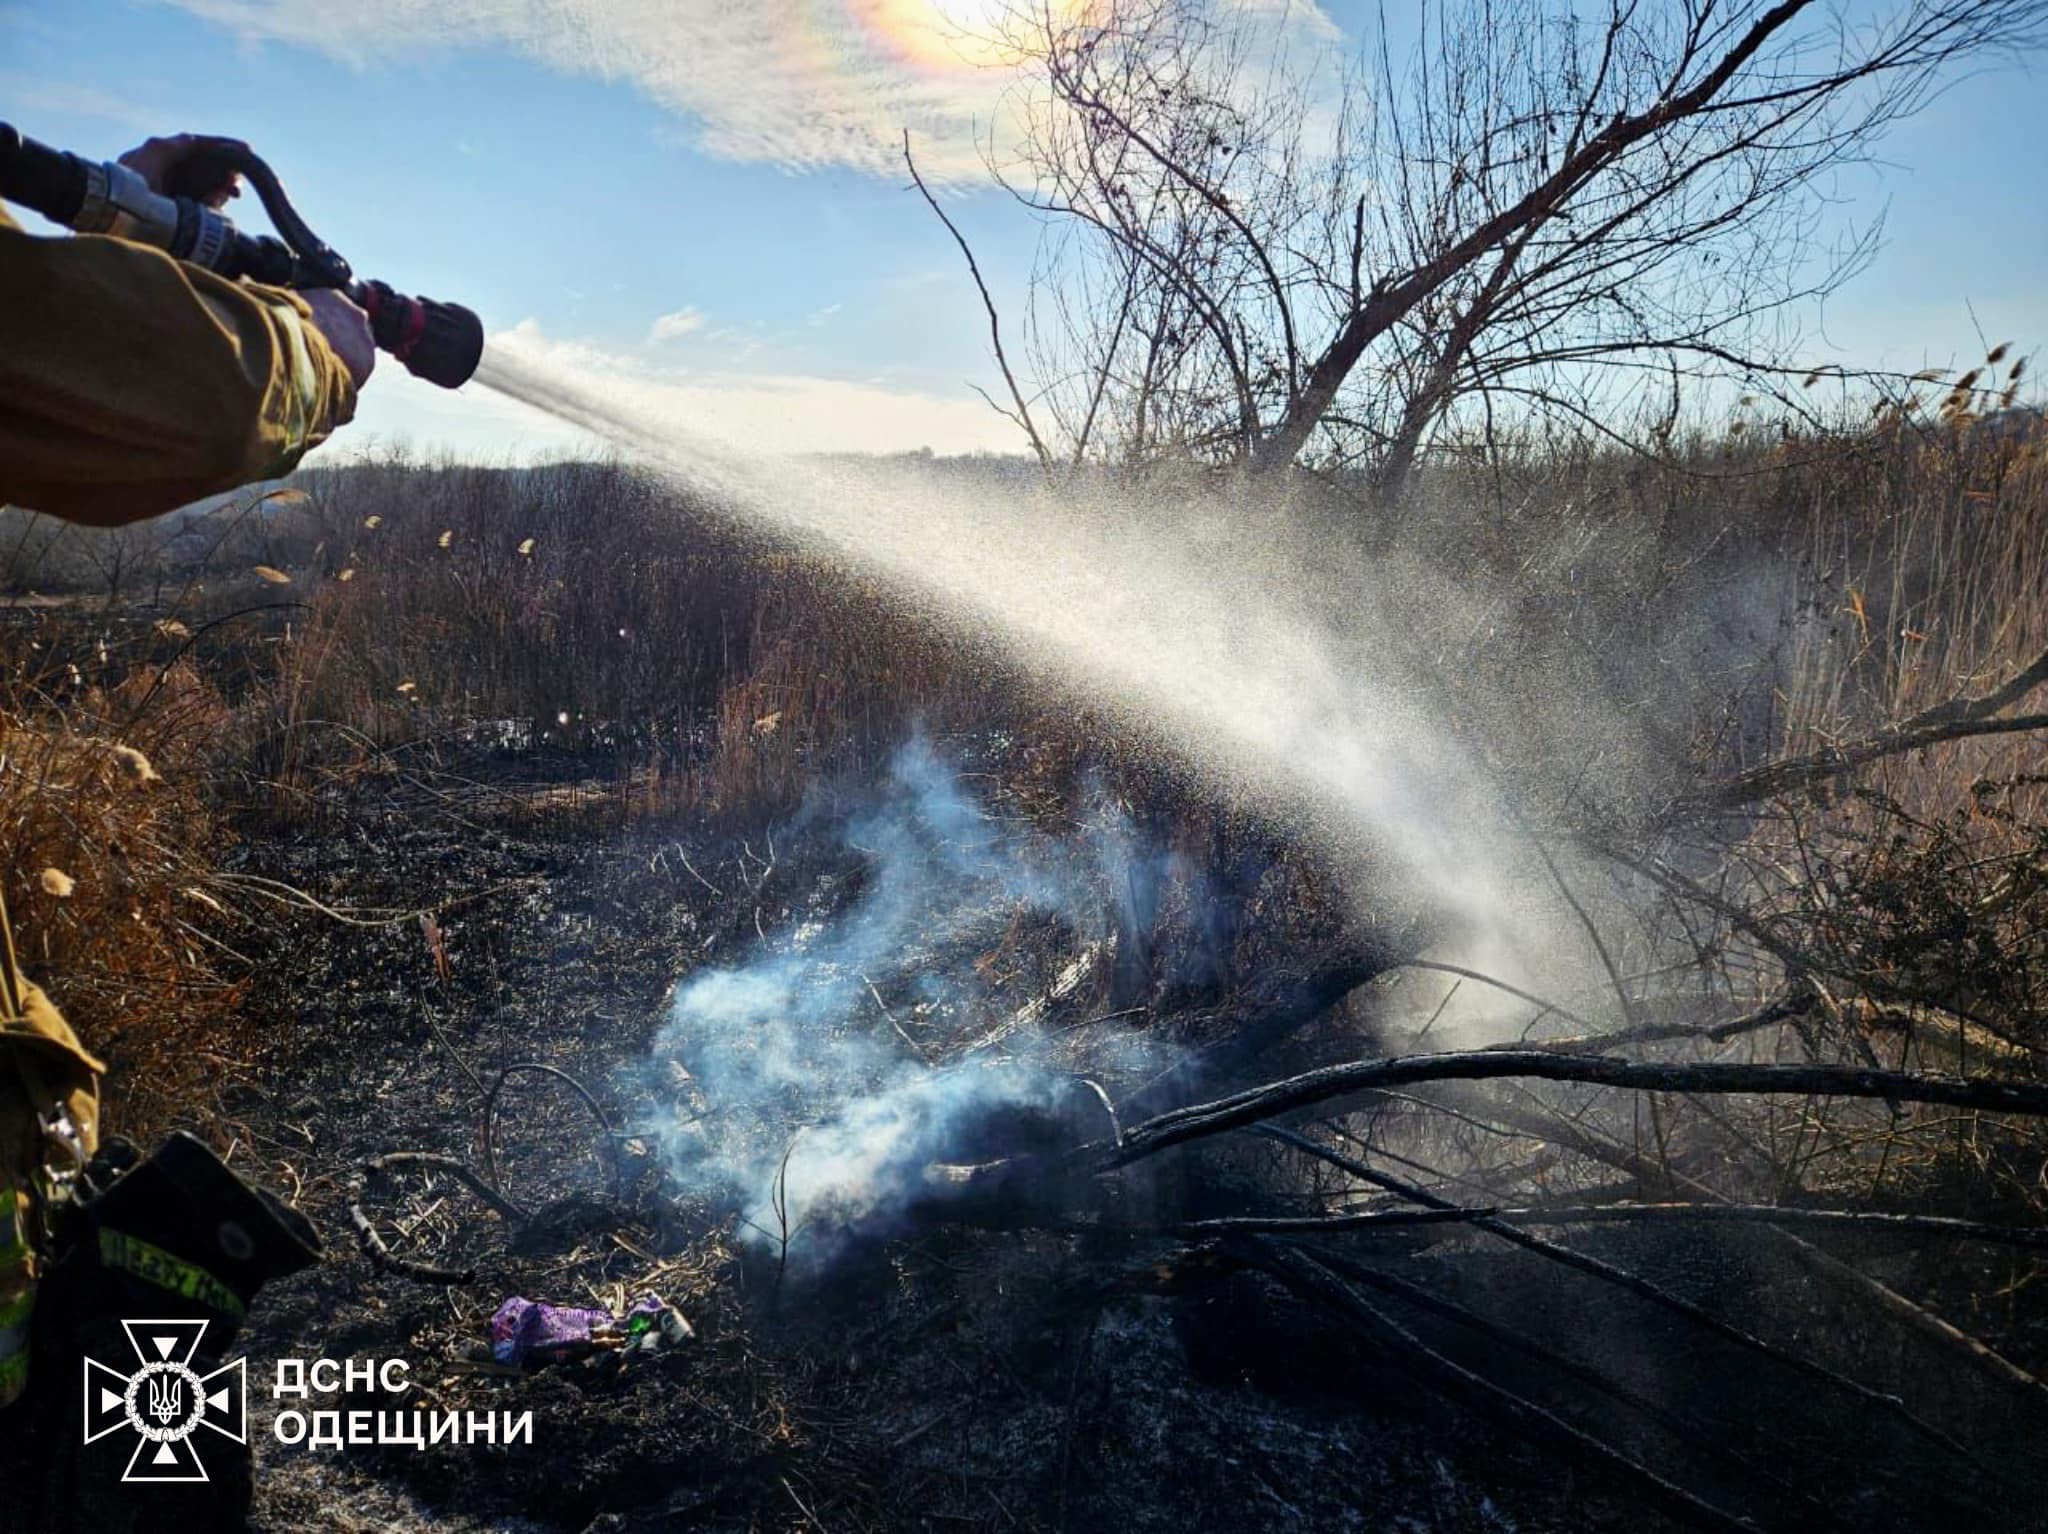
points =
(873, 1110)
(1433, 731)
(799, 1080)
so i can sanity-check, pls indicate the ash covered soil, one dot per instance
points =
(947, 1378)
(625, 1028)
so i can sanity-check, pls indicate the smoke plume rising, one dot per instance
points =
(804, 1096)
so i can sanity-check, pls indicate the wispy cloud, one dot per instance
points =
(1305, 15)
(738, 344)
(804, 85)
(671, 327)
(797, 85)
(27, 96)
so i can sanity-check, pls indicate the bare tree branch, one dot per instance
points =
(1961, 719)
(995, 329)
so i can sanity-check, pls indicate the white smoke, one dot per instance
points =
(797, 1092)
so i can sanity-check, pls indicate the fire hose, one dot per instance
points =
(440, 342)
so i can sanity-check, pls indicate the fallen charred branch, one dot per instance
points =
(528, 1227)
(461, 1171)
(1783, 1009)
(1030, 1193)
(1182, 1270)
(1634, 1283)
(383, 1259)
(371, 1240)
(1866, 1221)
(1684, 1430)
(1018, 1189)
(1188, 1269)
(1918, 1318)
(1887, 1301)
(1643, 1289)
(1336, 1081)
(1052, 1193)
(1305, 1276)
(1270, 1015)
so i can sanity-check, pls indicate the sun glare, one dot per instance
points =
(948, 35)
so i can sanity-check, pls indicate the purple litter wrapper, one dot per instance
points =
(524, 1329)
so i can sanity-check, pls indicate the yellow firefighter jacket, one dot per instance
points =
(49, 1125)
(131, 383)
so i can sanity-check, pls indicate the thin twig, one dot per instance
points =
(914, 1047)
(995, 329)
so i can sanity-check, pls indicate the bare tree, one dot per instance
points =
(118, 554)
(1528, 213)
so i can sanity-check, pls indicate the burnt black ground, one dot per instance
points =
(955, 1380)
(950, 1379)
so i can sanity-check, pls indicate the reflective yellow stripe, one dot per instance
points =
(152, 1264)
(305, 383)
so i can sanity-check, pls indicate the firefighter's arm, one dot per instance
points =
(131, 383)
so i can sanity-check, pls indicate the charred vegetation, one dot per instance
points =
(1122, 1163)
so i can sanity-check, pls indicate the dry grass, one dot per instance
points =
(1911, 897)
(580, 612)
(109, 848)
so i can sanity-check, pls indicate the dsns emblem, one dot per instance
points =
(164, 1400)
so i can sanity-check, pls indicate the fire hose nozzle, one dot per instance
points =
(439, 342)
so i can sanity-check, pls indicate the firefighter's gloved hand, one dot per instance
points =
(179, 1234)
(347, 330)
(179, 166)
(193, 165)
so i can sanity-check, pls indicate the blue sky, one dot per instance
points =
(732, 170)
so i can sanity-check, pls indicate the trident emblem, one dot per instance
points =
(166, 1397)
